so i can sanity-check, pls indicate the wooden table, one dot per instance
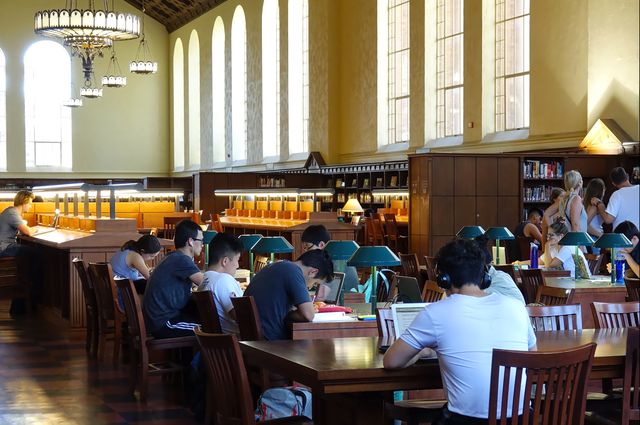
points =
(323, 330)
(349, 370)
(586, 291)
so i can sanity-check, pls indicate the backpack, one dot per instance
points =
(282, 402)
(367, 287)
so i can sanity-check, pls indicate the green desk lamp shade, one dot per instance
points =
(498, 234)
(272, 245)
(577, 239)
(373, 256)
(341, 250)
(248, 241)
(207, 237)
(613, 241)
(470, 232)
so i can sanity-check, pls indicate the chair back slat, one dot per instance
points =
(87, 286)
(133, 311)
(633, 288)
(223, 361)
(631, 398)
(410, 266)
(248, 319)
(106, 295)
(431, 267)
(432, 292)
(616, 315)
(207, 311)
(595, 262)
(556, 318)
(531, 280)
(259, 263)
(548, 295)
(562, 374)
(384, 320)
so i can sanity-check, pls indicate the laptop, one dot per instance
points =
(403, 314)
(335, 286)
(408, 290)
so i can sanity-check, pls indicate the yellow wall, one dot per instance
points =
(125, 133)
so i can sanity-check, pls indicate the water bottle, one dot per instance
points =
(533, 256)
(619, 267)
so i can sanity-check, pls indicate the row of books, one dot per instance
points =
(272, 182)
(537, 193)
(534, 169)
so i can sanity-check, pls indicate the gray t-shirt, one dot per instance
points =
(10, 219)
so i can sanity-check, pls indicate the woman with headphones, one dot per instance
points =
(463, 329)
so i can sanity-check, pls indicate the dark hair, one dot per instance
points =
(483, 244)
(556, 192)
(147, 244)
(184, 230)
(628, 229)
(618, 176)
(595, 189)
(535, 211)
(318, 259)
(223, 245)
(559, 227)
(315, 234)
(463, 260)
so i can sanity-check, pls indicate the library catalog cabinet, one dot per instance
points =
(448, 191)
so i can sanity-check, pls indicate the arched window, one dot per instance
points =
(512, 65)
(298, 38)
(194, 99)
(218, 88)
(47, 83)
(3, 114)
(393, 71)
(178, 106)
(239, 85)
(270, 78)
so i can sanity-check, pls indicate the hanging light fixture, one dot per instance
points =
(143, 63)
(74, 101)
(90, 91)
(114, 77)
(87, 31)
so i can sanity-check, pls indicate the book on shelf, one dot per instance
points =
(394, 181)
(354, 183)
(339, 183)
(536, 169)
(379, 182)
(537, 193)
(365, 183)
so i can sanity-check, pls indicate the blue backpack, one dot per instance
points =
(282, 402)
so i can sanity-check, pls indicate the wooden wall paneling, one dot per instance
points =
(487, 176)
(592, 166)
(438, 242)
(442, 215)
(442, 173)
(508, 211)
(464, 212)
(465, 176)
(509, 177)
(487, 211)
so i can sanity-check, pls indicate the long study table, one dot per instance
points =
(349, 370)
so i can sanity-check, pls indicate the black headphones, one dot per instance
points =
(444, 280)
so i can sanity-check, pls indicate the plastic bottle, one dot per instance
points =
(619, 267)
(533, 256)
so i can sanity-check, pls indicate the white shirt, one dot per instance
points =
(464, 330)
(503, 284)
(565, 254)
(224, 287)
(624, 205)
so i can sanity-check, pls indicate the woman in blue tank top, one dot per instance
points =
(130, 261)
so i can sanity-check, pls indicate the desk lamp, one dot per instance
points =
(207, 237)
(340, 252)
(470, 232)
(373, 256)
(498, 234)
(248, 241)
(273, 245)
(578, 239)
(352, 207)
(613, 241)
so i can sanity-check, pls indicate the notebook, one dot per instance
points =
(408, 290)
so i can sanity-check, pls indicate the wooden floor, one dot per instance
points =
(47, 379)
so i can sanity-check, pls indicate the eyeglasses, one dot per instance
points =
(197, 239)
(306, 246)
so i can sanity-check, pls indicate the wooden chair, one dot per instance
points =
(216, 224)
(90, 306)
(531, 280)
(432, 292)
(508, 269)
(410, 266)
(143, 345)
(225, 366)
(555, 317)
(594, 262)
(259, 263)
(248, 319)
(431, 267)
(616, 315)
(524, 245)
(170, 226)
(207, 311)
(563, 374)
(556, 273)
(548, 295)
(110, 313)
(633, 288)
(396, 242)
(11, 284)
(374, 231)
(631, 398)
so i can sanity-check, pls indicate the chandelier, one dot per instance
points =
(87, 32)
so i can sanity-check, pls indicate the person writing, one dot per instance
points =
(281, 291)
(463, 329)
(131, 261)
(11, 223)
(224, 254)
(169, 287)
